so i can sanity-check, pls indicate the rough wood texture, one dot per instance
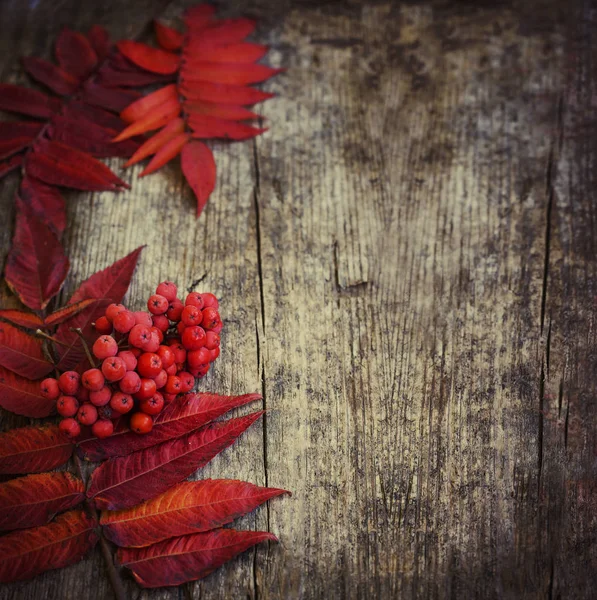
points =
(407, 267)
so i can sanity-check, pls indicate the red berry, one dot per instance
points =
(93, 380)
(49, 388)
(180, 327)
(173, 385)
(87, 414)
(101, 397)
(130, 360)
(149, 365)
(159, 333)
(140, 336)
(218, 327)
(212, 340)
(194, 299)
(103, 326)
(175, 310)
(161, 322)
(146, 390)
(157, 304)
(141, 423)
(124, 321)
(201, 371)
(70, 427)
(143, 318)
(154, 342)
(168, 290)
(180, 354)
(113, 310)
(104, 347)
(121, 402)
(130, 383)
(172, 369)
(193, 338)
(211, 318)
(68, 382)
(114, 368)
(169, 398)
(187, 381)
(196, 358)
(191, 315)
(82, 394)
(214, 354)
(153, 405)
(102, 428)
(209, 300)
(67, 406)
(160, 379)
(166, 354)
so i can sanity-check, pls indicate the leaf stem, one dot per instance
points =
(79, 332)
(43, 334)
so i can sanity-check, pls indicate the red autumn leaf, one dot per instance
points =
(125, 481)
(27, 101)
(34, 500)
(220, 111)
(210, 127)
(17, 135)
(109, 285)
(48, 74)
(168, 38)
(166, 153)
(189, 557)
(235, 74)
(185, 414)
(99, 40)
(22, 396)
(157, 118)
(76, 110)
(242, 52)
(67, 312)
(199, 169)
(45, 202)
(25, 554)
(33, 450)
(226, 31)
(75, 54)
(146, 104)
(154, 143)
(59, 164)
(198, 17)
(22, 353)
(124, 74)
(22, 318)
(221, 93)
(14, 162)
(106, 97)
(36, 265)
(148, 58)
(189, 507)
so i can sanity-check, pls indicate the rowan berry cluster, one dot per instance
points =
(147, 359)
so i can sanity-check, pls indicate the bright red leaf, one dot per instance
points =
(198, 17)
(148, 58)
(22, 318)
(166, 153)
(199, 169)
(233, 74)
(168, 38)
(226, 31)
(222, 93)
(22, 396)
(220, 111)
(154, 143)
(234, 53)
(146, 104)
(157, 118)
(210, 127)
(22, 353)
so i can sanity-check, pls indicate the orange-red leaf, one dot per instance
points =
(148, 58)
(67, 312)
(48, 74)
(34, 500)
(226, 31)
(22, 318)
(189, 507)
(22, 353)
(199, 169)
(25, 554)
(144, 105)
(154, 143)
(125, 481)
(185, 414)
(36, 265)
(23, 397)
(166, 153)
(167, 37)
(75, 54)
(221, 93)
(242, 52)
(235, 74)
(220, 111)
(189, 557)
(27, 101)
(157, 118)
(205, 127)
(16, 135)
(198, 17)
(33, 450)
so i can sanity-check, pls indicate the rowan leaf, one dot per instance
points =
(220, 111)
(166, 153)
(34, 500)
(22, 353)
(189, 507)
(56, 79)
(100, 41)
(199, 169)
(67, 312)
(198, 17)
(222, 93)
(25, 554)
(184, 414)
(189, 557)
(17, 135)
(125, 481)
(155, 142)
(27, 101)
(33, 450)
(110, 98)
(23, 397)
(22, 318)
(159, 116)
(75, 54)
(36, 265)
(144, 105)
(240, 53)
(167, 37)
(224, 32)
(148, 58)
(235, 74)
(46, 202)
(206, 127)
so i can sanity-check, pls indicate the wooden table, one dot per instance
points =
(406, 264)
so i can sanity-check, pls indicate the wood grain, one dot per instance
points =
(406, 262)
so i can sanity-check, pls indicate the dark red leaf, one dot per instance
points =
(166, 153)
(22, 353)
(115, 100)
(220, 111)
(154, 143)
(48, 74)
(125, 481)
(14, 162)
(75, 54)
(199, 169)
(23, 397)
(100, 41)
(34, 500)
(143, 106)
(33, 450)
(221, 93)
(205, 127)
(242, 52)
(229, 73)
(81, 110)
(223, 32)
(198, 17)
(59, 164)
(185, 414)
(16, 135)
(45, 202)
(113, 78)
(189, 507)
(24, 319)
(25, 554)
(27, 101)
(36, 265)
(167, 37)
(148, 58)
(189, 557)
(67, 312)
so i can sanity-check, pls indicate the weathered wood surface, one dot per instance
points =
(407, 267)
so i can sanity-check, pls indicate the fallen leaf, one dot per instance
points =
(222, 93)
(27, 101)
(199, 169)
(75, 54)
(23, 397)
(168, 38)
(148, 58)
(22, 353)
(22, 318)
(48, 74)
